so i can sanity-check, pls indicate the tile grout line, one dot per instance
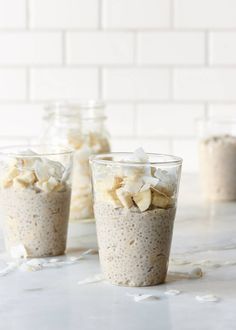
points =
(100, 68)
(157, 66)
(159, 137)
(171, 85)
(64, 47)
(172, 11)
(28, 81)
(27, 14)
(92, 29)
(206, 110)
(100, 14)
(135, 54)
(171, 146)
(100, 82)
(27, 68)
(130, 102)
(134, 126)
(206, 48)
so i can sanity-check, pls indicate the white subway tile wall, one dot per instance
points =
(136, 84)
(159, 64)
(63, 83)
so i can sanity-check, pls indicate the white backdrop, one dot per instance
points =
(159, 64)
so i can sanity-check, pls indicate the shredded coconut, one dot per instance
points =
(18, 251)
(8, 269)
(172, 292)
(207, 298)
(193, 274)
(142, 297)
(92, 279)
(180, 261)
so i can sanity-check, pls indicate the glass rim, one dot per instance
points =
(11, 150)
(99, 159)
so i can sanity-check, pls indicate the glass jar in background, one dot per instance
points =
(82, 127)
(217, 154)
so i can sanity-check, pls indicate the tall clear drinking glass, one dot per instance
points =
(35, 198)
(135, 205)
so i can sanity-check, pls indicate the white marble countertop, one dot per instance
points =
(203, 233)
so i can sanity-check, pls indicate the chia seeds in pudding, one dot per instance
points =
(38, 220)
(35, 201)
(134, 209)
(134, 246)
(218, 167)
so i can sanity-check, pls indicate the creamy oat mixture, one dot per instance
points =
(135, 210)
(35, 201)
(85, 146)
(218, 167)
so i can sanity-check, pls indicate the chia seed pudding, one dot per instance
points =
(134, 210)
(38, 220)
(134, 246)
(218, 167)
(35, 201)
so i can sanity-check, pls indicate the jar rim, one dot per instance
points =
(82, 109)
(161, 159)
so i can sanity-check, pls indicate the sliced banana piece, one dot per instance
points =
(143, 199)
(26, 178)
(107, 190)
(124, 197)
(111, 197)
(50, 185)
(6, 182)
(75, 140)
(115, 183)
(11, 174)
(19, 184)
(159, 199)
(109, 184)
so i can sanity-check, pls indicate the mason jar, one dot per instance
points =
(217, 154)
(82, 127)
